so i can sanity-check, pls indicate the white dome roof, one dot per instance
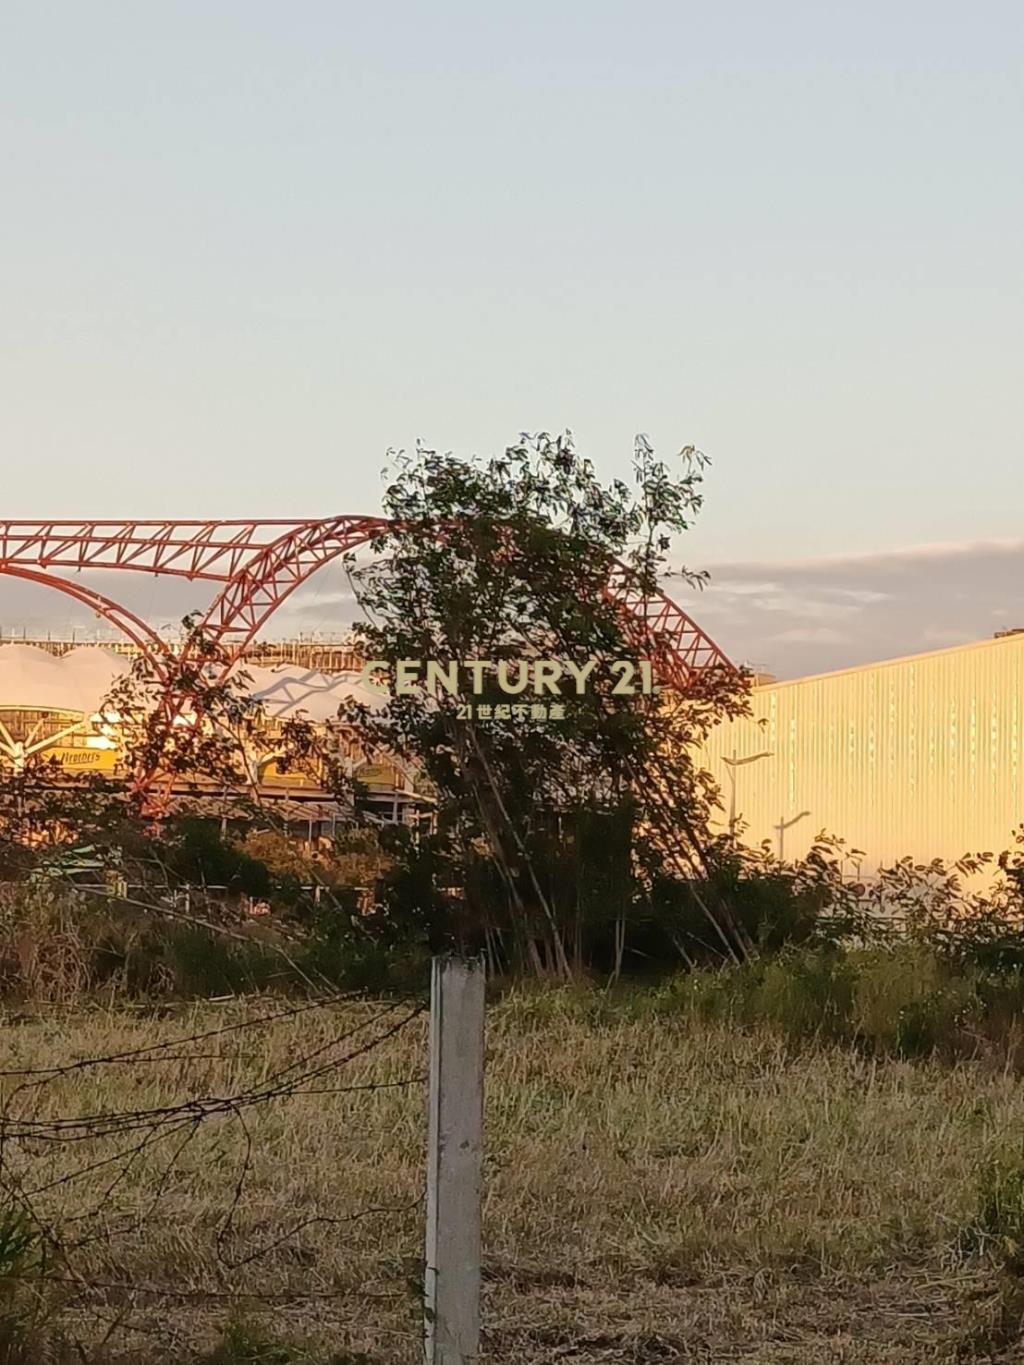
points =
(78, 681)
(289, 690)
(37, 680)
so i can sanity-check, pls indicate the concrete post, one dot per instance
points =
(454, 1161)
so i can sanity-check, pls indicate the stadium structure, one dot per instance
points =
(50, 697)
(54, 711)
(918, 756)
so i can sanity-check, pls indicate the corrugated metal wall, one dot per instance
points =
(918, 756)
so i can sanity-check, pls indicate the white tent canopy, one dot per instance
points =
(34, 679)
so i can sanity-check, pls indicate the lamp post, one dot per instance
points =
(732, 764)
(785, 824)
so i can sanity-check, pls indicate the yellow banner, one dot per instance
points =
(274, 776)
(377, 775)
(81, 760)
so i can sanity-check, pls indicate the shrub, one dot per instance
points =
(43, 943)
(903, 1001)
(21, 1300)
(361, 955)
(804, 994)
(997, 1228)
(201, 856)
(244, 1345)
(808, 994)
(908, 1000)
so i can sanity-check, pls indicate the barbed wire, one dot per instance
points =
(31, 1141)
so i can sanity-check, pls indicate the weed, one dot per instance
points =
(242, 1344)
(997, 1229)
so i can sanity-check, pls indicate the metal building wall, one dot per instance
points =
(918, 756)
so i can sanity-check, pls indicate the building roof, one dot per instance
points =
(32, 678)
(289, 690)
(1007, 642)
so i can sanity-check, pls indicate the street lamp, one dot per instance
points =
(732, 764)
(785, 824)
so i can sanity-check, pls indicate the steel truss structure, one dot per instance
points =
(257, 565)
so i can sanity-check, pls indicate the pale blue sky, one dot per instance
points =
(246, 246)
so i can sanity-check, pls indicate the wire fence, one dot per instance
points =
(232, 1164)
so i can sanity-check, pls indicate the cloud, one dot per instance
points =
(810, 635)
(788, 617)
(879, 560)
(940, 636)
(324, 605)
(737, 587)
(795, 617)
(319, 603)
(861, 595)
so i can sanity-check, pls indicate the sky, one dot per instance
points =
(247, 246)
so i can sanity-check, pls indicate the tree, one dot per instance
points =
(195, 723)
(551, 830)
(212, 756)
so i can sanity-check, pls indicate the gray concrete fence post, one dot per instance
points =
(454, 1161)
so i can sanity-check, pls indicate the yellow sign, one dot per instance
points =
(377, 775)
(81, 760)
(273, 775)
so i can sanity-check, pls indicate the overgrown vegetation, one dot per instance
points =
(570, 847)
(774, 1093)
(661, 1181)
(553, 832)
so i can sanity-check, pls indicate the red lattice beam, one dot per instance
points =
(264, 582)
(211, 550)
(259, 564)
(677, 646)
(142, 636)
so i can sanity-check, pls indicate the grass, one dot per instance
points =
(660, 1185)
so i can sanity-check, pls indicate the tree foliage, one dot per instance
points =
(548, 830)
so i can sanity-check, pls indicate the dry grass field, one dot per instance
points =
(658, 1189)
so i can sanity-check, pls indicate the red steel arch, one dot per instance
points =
(144, 637)
(259, 564)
